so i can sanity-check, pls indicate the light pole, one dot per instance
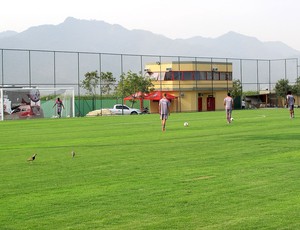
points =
(227, 73)
(227, 81)
(213, 70)
(159, 63)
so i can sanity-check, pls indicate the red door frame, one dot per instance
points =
(199, 104)
(211, 104)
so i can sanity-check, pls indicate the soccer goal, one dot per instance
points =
(31, 103)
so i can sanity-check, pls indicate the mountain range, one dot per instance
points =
(101, 37)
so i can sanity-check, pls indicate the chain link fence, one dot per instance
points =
(59, 69)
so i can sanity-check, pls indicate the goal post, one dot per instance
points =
(32, 103)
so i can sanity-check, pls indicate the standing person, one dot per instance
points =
(290, 101)
(228, 103)
(59, 105)
(164, 111)
(243, 104)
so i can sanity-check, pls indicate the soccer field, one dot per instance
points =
(128, 174)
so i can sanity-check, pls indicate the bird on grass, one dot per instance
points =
(73, 154)
(32, 158)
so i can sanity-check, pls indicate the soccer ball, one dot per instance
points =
(231, 119)
(185, 124)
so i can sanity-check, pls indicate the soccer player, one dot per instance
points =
(228, 103)
(59, 105)
(164, 111)
(290, 101)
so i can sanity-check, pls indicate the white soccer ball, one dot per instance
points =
(231, 119)
(185, 124)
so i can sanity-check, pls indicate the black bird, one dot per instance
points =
(73, 154)
(32, 158)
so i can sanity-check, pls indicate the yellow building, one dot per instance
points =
(197, 86)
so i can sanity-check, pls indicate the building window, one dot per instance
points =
(177, 75)
(223, 76)
(168, 76)
(153, 76)
(200, 75)
(216, 75)
(229, 74)
(208, 75)
(188, 76)
(191, 75)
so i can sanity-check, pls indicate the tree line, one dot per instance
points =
(130, 83)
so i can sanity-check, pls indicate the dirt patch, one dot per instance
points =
(99, 112)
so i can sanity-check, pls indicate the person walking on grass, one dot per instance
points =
(228, 103)
(164, 111)
(290, 101)
(59, 104)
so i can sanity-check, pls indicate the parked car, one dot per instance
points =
(120, 109)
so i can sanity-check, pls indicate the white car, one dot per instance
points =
(120, 109)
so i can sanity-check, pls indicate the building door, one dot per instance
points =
(210, 104)
(199, 104)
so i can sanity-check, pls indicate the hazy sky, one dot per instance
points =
(267, 20)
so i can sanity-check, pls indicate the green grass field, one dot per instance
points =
(127, 174)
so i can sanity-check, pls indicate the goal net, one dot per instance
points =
(31, 103)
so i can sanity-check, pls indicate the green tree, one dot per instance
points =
(132, 83)
(282, 87)
(90, 84)
(296, 87)
(107, 82)
(237, 88)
